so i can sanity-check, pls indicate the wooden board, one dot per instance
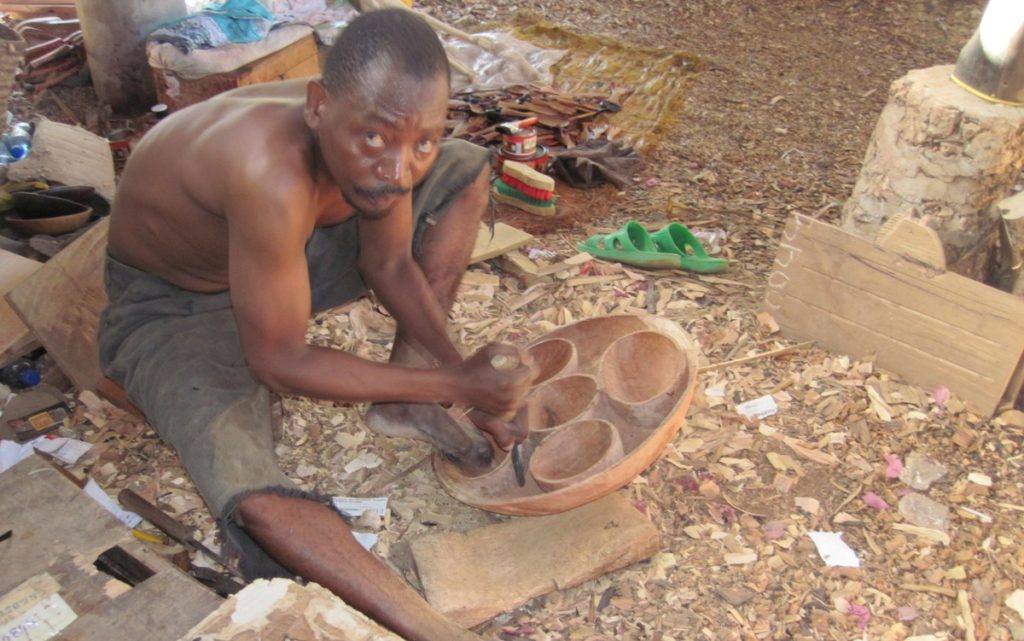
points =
(476, 575)
(283, 610)
(61, 303)
(57, 534)
(504, 239)
(13, 333)
(930, 326)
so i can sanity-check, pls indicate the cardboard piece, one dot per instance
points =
(69, 155)
(61, 303)
(476, 575)
(930, 326)
(504, 239)
(15, 338)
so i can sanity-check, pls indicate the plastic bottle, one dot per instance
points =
(20, 374)
(19, 140)
(5, 155)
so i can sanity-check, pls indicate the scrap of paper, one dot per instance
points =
(92, 488)
(833, 550)
(761, 407)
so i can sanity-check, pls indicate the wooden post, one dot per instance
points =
(944, 156)
(115, 35)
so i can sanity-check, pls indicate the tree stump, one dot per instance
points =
(944, 156)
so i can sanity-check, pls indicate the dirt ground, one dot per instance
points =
(776, 121)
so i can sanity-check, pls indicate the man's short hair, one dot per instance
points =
(397, 37)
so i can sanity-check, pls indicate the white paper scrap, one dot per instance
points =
(366, 539)
(353, 507)
(833, 550)
(42, 620)
(12, 453)
(131, 519)
(761, 407)
(66, 450)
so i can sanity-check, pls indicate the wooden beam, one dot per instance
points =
(932, 327)
(476, 575)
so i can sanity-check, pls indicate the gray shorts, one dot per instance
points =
(179, 357)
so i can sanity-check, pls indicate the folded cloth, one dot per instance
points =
(234, 21)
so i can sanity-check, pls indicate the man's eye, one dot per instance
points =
(374, 140)
(425, 146)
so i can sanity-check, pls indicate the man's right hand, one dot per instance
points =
(495, 380)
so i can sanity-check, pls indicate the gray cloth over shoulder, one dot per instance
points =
(178, 355)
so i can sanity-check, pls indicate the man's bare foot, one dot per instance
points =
(463, 444)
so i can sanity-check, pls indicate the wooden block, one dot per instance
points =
(476, 575)
(480, 279)
(13, 333)
(299, 59)
(931, 327)
(67, 154)
(282, 610)
(504, 239)
(61, 303)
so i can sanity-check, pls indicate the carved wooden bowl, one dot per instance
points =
(612, 393)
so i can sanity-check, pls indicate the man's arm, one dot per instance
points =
(269, 281)
(387, 265)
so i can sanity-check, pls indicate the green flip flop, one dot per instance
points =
(679, 241)
(631, 245)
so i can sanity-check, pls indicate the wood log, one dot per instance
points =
(945, 157)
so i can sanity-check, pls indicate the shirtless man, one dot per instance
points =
(237, 217)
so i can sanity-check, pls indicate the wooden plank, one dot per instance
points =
(49, 516)
(294, 61)
(13, 270)
(58, 532)
(162, 608)
(930, 326)
(476, 575)
(61, 303)
(505, 239)
(282, 610)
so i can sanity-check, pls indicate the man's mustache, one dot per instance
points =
(381, 191)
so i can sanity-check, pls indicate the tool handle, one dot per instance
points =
(160, 519)
(504, 362)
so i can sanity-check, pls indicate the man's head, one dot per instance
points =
(378, 111)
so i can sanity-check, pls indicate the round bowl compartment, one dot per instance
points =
(575, 452)
(552, 357)
(557, 402)
(640, 367)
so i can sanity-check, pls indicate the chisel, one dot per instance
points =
(177, 531)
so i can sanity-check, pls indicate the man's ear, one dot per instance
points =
(316, 102)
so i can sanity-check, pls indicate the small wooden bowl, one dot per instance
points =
(53, 226)
(552, 358)
(35, 213)
(557, 402)
(640, 367)
(574, 453)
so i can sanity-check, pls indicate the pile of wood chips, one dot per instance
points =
(735, 498)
